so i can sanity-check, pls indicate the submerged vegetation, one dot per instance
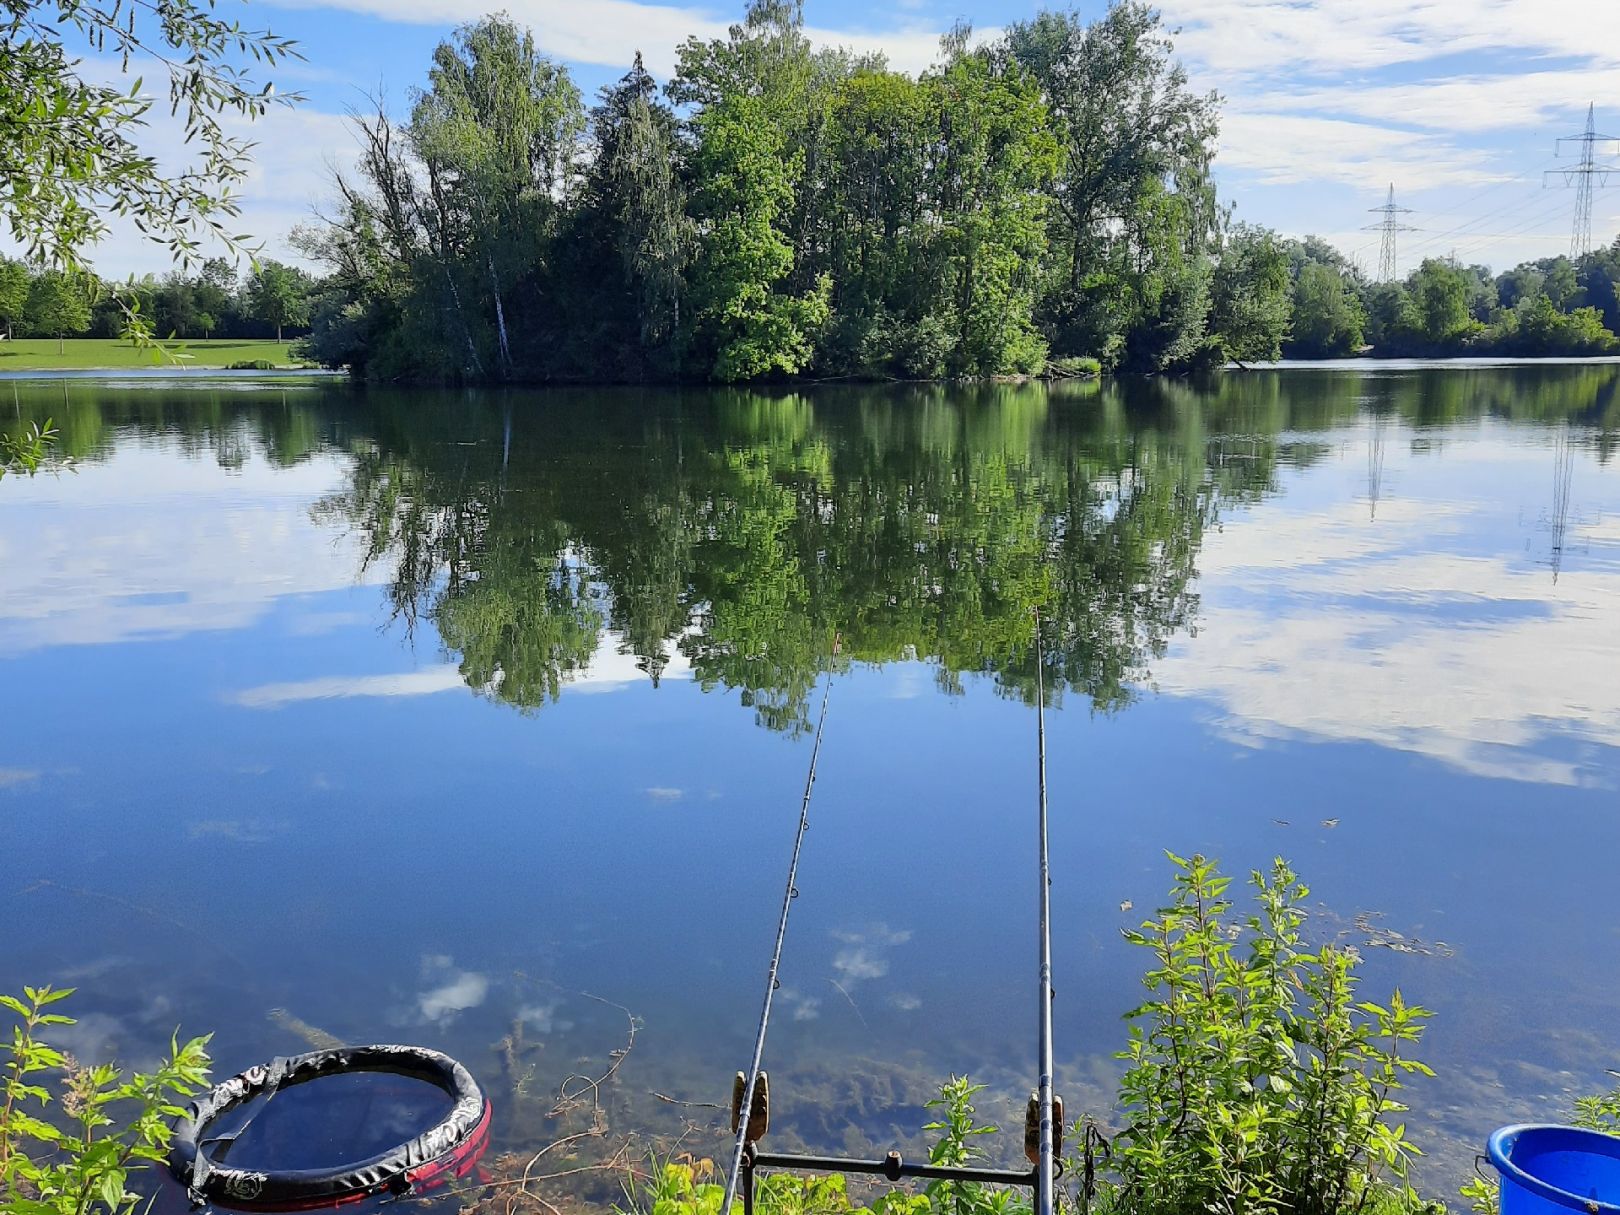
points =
(1255, 1079)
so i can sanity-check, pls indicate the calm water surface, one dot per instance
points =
(480, 721)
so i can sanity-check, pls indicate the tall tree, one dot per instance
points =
(497, 131)
(1440, 295)
(59, 305)
(1327, 315)
(278, 295)
(995, 157)
(1132, 131)
(14, 284)
(1250, 304)
(748, 91)
(640, 201)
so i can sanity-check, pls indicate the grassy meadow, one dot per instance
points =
(84, 354)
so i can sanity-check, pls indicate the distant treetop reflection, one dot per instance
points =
(743, 531)
(746, 531)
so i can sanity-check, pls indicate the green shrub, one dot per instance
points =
(678, 1188)
(1256, 1081)
(107, 1126)
(27, 453)
(251, 365)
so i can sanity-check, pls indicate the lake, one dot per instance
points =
(481, 720)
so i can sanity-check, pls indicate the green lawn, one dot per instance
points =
(40, 354)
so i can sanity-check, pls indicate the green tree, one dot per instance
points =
(14, 284)
(1250, 303)
(749, 92)
(880, 249)
(1131, 130)
(1327, 316)
(640, 205)
(497, 131)
(278, 295)
(74, 154)
(214, 291)
(1440, 291)
(59, 305)
(995, 157)
(1392, 318)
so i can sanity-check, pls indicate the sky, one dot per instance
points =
(1457, 104)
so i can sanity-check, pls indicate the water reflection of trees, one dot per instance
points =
(745, 530)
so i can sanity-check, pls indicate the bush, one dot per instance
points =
(1074, 367)
(1256, 1080)
(108, 1126)
(678, 1188)
(251, 365)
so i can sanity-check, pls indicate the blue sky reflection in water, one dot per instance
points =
(333, 712)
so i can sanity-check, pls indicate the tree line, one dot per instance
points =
(1551, 306)
(775, 210)
(270, 300)
(1041, 202)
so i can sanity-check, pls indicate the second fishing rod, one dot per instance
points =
(750, 1107)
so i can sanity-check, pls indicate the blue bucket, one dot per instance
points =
(1555, 1170)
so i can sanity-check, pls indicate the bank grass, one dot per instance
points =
(117, 354)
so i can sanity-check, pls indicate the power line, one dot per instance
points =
(1581, 177)
(1514, 205)
(1389, 226)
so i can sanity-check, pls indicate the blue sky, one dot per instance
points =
(1457, 103)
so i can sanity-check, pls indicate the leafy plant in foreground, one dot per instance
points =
(1256, 1081)
(109, 1126)
(28, 453)
(680, 1188)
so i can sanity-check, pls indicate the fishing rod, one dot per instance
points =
(1043, 1117)
(743, 1102)
(1046, 1147)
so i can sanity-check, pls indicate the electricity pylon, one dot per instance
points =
(1389, 226)
(1583, 176)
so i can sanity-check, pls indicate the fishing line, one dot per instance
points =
(1047, 1151)
(789, 893)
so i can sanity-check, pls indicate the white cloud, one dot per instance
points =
(1281, 148)
(1335, 36)
(445, 677)
(11, 777)
(798, 1005)
(1380, 634)
(207, 549)
(612, 668)
(459, 991)
(1551, 101)
(865, 952)
(608, 33)
(662, 793)
(543, 1018)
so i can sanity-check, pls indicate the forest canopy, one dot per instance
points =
(778, 210)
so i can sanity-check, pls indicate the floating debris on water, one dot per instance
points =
(1363, 930)
(317, 1038)
(1330, 823)
(1126, 905)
